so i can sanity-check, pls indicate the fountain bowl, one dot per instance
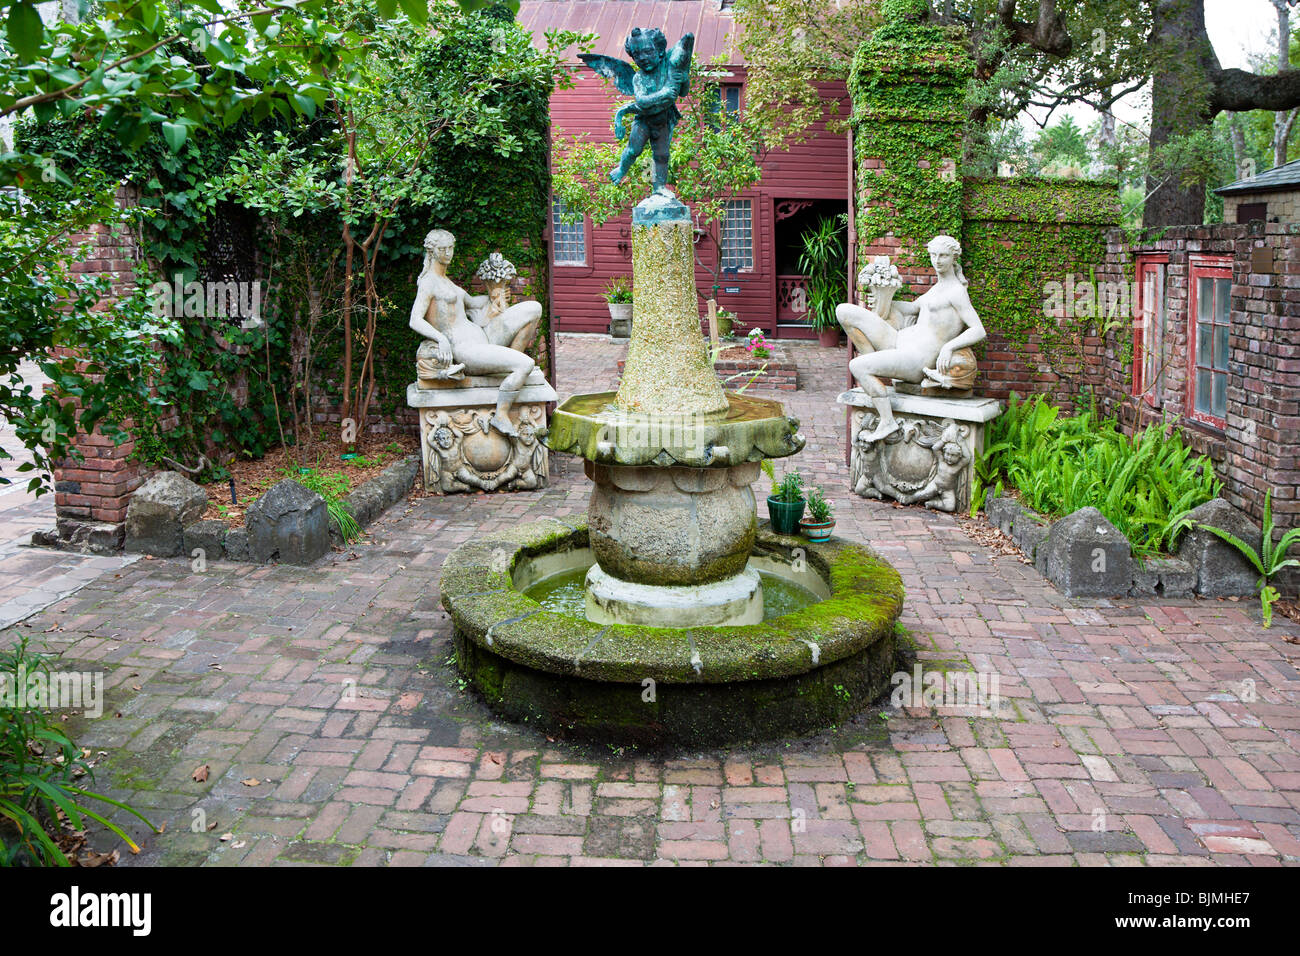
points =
(632, 684)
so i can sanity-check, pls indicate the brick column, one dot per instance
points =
(90, 496)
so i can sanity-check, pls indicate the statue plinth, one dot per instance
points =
(461, 452)
(930, 459)
(667, 370)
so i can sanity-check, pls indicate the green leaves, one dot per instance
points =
(1059, 464)
(417, 10)
(175, 134)
(1268, 559)
(24, 29)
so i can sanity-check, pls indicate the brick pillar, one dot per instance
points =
(908, 86)
(91, 495)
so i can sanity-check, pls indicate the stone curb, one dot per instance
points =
(365, 504)
(1058, 554)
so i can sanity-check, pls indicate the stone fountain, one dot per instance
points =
(671, 519)
(669, 638)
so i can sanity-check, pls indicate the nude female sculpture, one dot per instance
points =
(441, 313)
(942, 322)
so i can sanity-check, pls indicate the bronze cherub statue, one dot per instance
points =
(661, 77)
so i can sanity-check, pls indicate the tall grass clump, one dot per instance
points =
(1144, 485)
(40, 771)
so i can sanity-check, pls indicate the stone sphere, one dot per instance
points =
(672, 526)
(486, 452)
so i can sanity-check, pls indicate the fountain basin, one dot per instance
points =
(565, 675)
(749, 430)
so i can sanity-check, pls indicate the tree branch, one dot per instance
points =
(1047, 35)
(1239, 91)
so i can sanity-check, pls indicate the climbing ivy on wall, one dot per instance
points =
(231, 390)
(909, 86)
(1019, 235)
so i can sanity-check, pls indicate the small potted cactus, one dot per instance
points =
(821, 517)
(786, 502)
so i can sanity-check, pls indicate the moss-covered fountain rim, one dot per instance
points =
(477, 590)
(754, 429)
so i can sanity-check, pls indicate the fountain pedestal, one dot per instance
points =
(672, 545)
(671, 455)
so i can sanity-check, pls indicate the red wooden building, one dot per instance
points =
(760, 234)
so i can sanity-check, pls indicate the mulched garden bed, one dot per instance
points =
(254, 476)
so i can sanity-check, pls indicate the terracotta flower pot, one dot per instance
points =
(785, 515)
(817, 530)
(828, 338)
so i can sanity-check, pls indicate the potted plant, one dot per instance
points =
(786, 502)
(618, 293)
(821, 517)
(824, 261)
(725, 322)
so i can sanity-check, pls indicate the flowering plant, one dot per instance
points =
(757, 344)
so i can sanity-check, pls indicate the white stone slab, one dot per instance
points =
(958, 409)
(473, 396)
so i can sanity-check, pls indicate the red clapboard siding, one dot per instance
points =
(814, 169)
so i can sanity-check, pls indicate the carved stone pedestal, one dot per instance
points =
(461, 452)
(930, 459)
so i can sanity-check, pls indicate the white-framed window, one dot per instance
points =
(738, 235)
(568, 239)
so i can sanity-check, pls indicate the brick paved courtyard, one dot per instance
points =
(335, 730)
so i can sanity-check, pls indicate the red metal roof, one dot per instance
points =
(714, 28)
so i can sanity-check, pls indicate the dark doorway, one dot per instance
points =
(794, 218)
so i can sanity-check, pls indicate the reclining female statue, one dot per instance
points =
(442, 314)
(933, 327)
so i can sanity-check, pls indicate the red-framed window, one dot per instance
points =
(1149, 329)
(1209, 311)
(737, 236)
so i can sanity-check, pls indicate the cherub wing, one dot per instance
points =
(679, 58)
(618, 71)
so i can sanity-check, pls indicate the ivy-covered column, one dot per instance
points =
(908, 89)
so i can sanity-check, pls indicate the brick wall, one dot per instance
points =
(1258, 447)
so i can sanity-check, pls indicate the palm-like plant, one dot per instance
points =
(1268, 559)
(824, 261)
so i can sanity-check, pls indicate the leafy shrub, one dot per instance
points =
(1143, 485)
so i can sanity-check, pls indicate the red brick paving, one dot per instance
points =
(1130, 733)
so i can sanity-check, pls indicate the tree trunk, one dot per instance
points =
(1185, 71)
(1282, 119)
(1238, 137)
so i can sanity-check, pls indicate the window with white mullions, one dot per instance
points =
(738, 235)
(568, 239)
